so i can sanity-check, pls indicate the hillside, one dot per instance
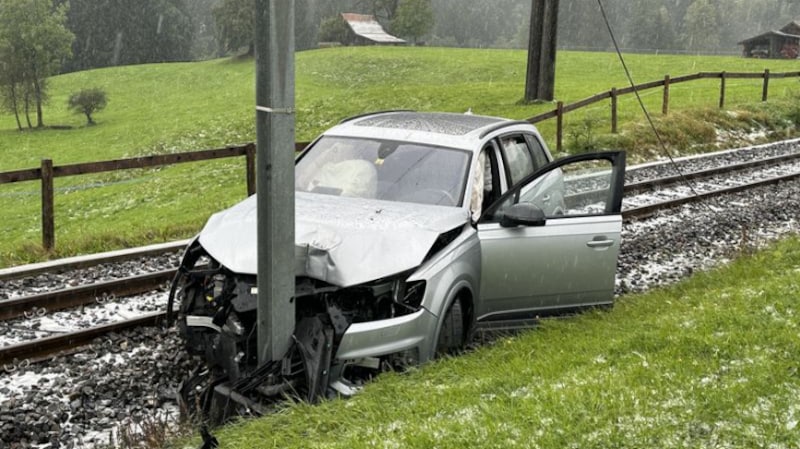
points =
(189, 106)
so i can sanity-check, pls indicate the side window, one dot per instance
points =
(576, 189)
(517, 157)
(540, 158)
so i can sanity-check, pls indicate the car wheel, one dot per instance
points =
(451, 335)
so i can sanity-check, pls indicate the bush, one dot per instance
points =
(87, 102)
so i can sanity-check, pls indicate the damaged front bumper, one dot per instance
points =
(344, 336)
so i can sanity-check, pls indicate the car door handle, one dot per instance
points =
(599, 243)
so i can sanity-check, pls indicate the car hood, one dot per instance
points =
(342, 241)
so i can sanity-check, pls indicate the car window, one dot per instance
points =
(540, 158)
(518, 159)
(385, 170)
(581, 188)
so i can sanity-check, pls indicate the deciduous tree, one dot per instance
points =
(413, 19)
(34, 41)
(87, 102)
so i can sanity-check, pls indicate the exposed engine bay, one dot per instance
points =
(216, 314)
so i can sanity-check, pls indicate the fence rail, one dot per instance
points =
(47, 172)
(613, 94)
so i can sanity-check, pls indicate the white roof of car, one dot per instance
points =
(435, 128)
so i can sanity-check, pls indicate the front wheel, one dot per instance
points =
(452, 334)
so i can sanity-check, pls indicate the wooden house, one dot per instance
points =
(778, 44)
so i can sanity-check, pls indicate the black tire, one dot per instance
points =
(451, 335)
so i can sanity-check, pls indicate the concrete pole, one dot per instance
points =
(541, 74)
(275, 122)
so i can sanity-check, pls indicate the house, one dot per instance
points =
(365, 30)
(780, 44)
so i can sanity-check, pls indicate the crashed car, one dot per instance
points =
(413, 230)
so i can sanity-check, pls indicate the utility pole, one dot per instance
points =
(541, 75)
(275, 122)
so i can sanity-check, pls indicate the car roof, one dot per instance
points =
(436, 128)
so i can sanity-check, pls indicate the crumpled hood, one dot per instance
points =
(342, 241)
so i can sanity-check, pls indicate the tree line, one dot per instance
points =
(39, 38)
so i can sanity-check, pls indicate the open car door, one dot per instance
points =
(551, 241)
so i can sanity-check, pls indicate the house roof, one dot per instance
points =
(366, 26)
(768, 34)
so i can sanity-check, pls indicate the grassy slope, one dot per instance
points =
(187, 106)
(711, 362)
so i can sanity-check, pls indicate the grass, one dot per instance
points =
(164, 108)
(710, 362)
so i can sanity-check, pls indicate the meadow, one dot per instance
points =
(164, 108)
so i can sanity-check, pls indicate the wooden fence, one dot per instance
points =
(614, 94)
(47, 171)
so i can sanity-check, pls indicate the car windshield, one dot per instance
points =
(385, 170)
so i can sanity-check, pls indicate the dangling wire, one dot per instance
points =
(641, 103)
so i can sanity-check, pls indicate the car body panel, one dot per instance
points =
(343, 241)
(551, 266)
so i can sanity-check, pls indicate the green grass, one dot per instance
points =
(164, 108)
(710, 362)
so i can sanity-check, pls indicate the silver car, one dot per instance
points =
(413, 230)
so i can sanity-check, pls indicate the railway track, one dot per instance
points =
(47, 302)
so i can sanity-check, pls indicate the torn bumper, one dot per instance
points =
(393, 335)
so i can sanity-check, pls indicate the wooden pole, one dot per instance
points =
(614, 110)
(722, 81)
(541, 72)
(48, 219)
(560, 126)
(765, 92)
(665, 102)
(250, 157)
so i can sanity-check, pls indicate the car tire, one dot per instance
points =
(452, 332)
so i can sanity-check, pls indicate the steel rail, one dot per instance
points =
(83, 295)
(47, 347)
(651, 209)
(90, 260)
(707, 173)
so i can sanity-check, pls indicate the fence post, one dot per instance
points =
(665, 105)
(48, 221)
(613, 110)
(722, 80)
(250, 156)
(765, 93)
(559, 126)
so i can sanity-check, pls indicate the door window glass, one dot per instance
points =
(519, 162)
(579, 188)
(540, 158)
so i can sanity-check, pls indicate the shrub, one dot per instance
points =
(87, 102)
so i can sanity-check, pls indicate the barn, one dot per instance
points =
(777, 44)
(364, 29)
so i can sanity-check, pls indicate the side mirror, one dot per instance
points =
(524, 214)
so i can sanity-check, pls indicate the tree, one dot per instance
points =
(121, 32)
(699, 25)
(34, 42)
(334, 29)
(87, 102)
(413, 18)
(235, 24)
